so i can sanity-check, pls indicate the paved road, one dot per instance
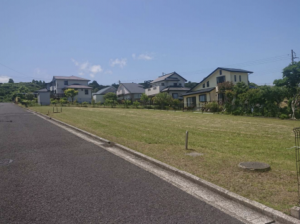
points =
(48, 175)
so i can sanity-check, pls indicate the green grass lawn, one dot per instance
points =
(224, 140)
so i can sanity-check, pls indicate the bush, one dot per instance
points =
(84, 104)
(136, 103)
(213, 107)
(283, 116)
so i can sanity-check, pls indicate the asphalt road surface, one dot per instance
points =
(48, 175)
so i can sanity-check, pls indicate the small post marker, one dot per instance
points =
(53, 109)
(61, 109)
(186, 139)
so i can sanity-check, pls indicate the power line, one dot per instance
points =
(17, 71)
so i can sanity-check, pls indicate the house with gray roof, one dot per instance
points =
(60, 83)
(207, 89)
(98, 97)
(171, 83)
(130, 91)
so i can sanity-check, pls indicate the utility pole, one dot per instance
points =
(293, 56)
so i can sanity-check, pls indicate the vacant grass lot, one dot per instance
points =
(223, 139)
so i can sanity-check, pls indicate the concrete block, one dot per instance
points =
(295, 212)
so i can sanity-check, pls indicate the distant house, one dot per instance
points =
(130, 91)
(60, 83)
(98, 97)
(171, 83)
(207, 90)
(43, 96)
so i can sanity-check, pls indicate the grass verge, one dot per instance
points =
(223, 139)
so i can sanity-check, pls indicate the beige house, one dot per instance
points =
(171, 83)
(129, 91)
(207, 90)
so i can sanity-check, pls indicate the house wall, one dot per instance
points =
(44, 98)
(82, 97)
(132, 97)
(229, 76)
(210, 96)
(59, 84)
(98, 98)
(122, 90)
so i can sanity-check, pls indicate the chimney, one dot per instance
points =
(119, 82)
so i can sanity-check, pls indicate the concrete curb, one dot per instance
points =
(272, 213)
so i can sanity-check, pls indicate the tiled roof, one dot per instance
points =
(166, 77)
(109, 89)
(175, 89)
(133, 87)
(72, 77)
(199, 91)
(77, 87)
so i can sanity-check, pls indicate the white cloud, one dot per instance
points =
(4, 79)
(121, 62)
(145, 57)
(96, 69)
(87, 68)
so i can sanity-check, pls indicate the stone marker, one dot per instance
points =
(194, 154)
(255, 166)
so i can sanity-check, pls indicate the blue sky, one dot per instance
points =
(133, 41)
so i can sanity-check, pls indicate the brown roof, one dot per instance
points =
(166, 77)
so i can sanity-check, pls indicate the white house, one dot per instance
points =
(98, 97)
(130, 91)
(171, 83)
(60, 83)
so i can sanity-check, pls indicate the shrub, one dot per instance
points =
(283, 116)
(136, 103)
(213, 107)
(84, 104)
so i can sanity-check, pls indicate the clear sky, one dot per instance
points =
(137, 40)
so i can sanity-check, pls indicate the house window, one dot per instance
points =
(203, 85)
(66, 83)
(207, 83)
(154, 87)
(175, 84)
(240, 78)
(86, 91)
(175, 95)
(220, 79)
(149, 89)
(235, 78)
(220, 72)
(163, 84)
(179, 84)
(202, 98)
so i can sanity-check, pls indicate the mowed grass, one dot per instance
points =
(224, 140)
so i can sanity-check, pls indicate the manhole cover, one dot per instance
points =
(4, 162)
(194, 154)
(255, 166)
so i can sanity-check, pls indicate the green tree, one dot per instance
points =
(190, 84)
(291, 80)
(163, 99)
(11, 81)
(144, 99)
(110, 96)
(71, 93)
(136, 104)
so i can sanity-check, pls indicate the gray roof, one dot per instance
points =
(133, 87)
(175, 89)
(167, 77)
(72, 77)
(42, 90)
(199, 91)
(225, 69)
(109, 89)
(77, 87)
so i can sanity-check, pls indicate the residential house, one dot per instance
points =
(171, 83)
(98, 97)
(60, 83)
(207, 90)
(43, 96)
(130, 91)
